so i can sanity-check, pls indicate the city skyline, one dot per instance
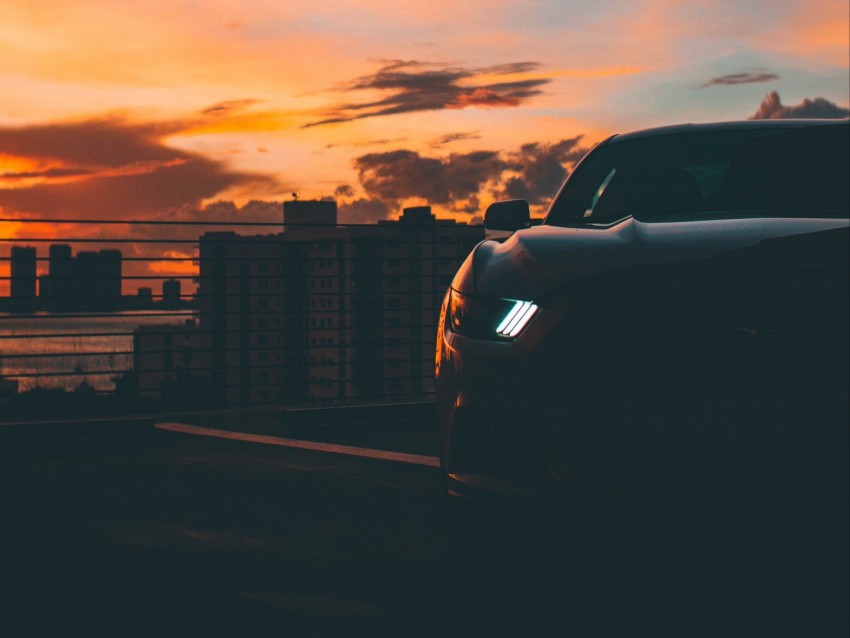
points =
(162, 112)
(48, 277)
(315, 312)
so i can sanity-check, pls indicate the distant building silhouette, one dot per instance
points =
(144, 297)
(171, 293)
(322, 312)
(90, 281)
(23, 276)
(60, 283)
(108, 280)
(309, 214)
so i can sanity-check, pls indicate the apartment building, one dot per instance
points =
(321, 313)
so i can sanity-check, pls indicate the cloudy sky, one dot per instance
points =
(167, 108)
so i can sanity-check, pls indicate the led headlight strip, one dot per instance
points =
(516, 319)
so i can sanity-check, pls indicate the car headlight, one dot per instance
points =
(488, 317)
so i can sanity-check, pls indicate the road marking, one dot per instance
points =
(330, 448)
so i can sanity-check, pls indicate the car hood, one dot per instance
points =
(536, 261)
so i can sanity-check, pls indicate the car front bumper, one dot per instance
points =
(528, 424)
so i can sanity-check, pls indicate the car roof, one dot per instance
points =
(678, 129)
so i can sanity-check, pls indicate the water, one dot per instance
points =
(52, 351)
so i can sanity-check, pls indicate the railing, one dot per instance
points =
(229, 313)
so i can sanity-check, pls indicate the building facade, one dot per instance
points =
(90, 281)
(23, 274)
(321, 313)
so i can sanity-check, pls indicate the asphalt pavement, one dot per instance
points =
(162, 533)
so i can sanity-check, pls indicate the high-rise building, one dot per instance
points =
(144, 296)
(92, 280)
(302, 214)
(108, 279)
(318, 312)
(23, 274)
(61, 274)
(84, 283)
(171, 293)
(171, 363)
(324, 312)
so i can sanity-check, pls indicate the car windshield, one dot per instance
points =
(794, 172)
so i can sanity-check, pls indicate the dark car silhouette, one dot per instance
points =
(668, 351)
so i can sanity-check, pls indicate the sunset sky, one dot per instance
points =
(170, 109)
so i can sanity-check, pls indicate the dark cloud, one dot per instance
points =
(771, 108)
(419, 86)
(113, 168)
(533, 172)
(261, 211)
(541, 169)
(748, 77)
(469, 206)
(219, 215)
(443, 140)
(101, 142)
(344, 190)
(47, 173)
(403, 174)
(362, 211)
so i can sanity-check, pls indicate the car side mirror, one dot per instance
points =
(512, 214)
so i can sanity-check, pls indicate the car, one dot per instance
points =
(667, 352)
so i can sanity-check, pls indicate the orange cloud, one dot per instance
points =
(176, 263)
(482, 98)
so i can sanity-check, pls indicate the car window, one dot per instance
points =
(792, 172)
